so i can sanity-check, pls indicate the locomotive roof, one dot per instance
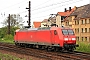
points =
(42, 28)
(25, 29)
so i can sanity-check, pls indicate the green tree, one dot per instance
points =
(15, 20)
(3, 31)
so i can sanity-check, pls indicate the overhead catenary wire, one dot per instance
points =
(53, 8)
(42, 4)
(13, 8)
(36, 8)
(7, 11)
(49, 9)
(22, 12)
(20, 3)
(40, 16)
(17, 4)
(51, 5)
(13, 5)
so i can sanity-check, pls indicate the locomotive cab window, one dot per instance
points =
(67, 32)
(71, 32)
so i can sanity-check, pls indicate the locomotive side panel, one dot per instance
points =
(22, 36)
(31, 37)
(43, 37)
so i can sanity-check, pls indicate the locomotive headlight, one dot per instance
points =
(65, 39)
(73, 38)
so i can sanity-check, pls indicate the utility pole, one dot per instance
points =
(29, 17)
(9, 24)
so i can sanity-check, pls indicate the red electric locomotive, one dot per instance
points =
(55, 38)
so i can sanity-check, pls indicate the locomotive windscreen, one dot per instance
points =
(71, 32)
(67, 32)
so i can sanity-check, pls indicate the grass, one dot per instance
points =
(7, 39)
(83, 47)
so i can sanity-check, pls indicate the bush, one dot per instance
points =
(3, 31)
(2, 35)
(83, 47)
(8, 37)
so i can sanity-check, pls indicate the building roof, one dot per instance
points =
(45, 20)
(37, 24)
(82, 12)
(67, 13)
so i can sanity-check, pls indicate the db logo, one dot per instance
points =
(69, 38)
(31, 36)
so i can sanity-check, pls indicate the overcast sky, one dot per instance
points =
(40, 9)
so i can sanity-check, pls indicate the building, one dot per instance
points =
(51, 21)
(48, 22)
(79, 20)
(44, 23)
(62, 15)
(36, 24)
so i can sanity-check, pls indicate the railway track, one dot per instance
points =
(44, 54)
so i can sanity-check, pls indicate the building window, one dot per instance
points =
(82, 30)
(89, 39)
(82, 21)
(85, 38)
(89, 29)
(89, 20)
(82, 38)
(85, 21)
(78, 38)
(66, 23)
(57, 25)
(54, 22)
(75, 30)
(75, 22)
(78, 30)
(85, 30)
(48, 25)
